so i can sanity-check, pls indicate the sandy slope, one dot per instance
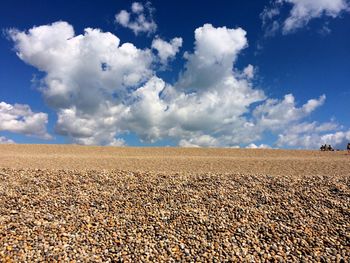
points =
(106, 204)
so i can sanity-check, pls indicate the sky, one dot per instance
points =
(240, 74)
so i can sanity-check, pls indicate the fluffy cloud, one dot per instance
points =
(212, 60)
(201, 141)
(302, 11)
(98, 128)
(312, 135)
(101, 89)
(95, 60)
(166, 50)
(4, 140)
(261, 146)
(88, 76)
(139, 20)
(249, 71)
(19, 118)
(275, 115)
(207, 100)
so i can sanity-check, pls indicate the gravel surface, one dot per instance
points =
(108, 215)
(172, 160)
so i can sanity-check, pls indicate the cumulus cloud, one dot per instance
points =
(99, 127)
(208, 98)
(166, 50)
(87, 76)
(312, 135)
(4, 140)
(301, 12)
(139, 20)
(275, 115)
(212, 60)
(201, 141)
(19, 118)
(102, 89)
(261, 146)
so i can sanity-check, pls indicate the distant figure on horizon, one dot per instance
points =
(326, 148)
(348, 148)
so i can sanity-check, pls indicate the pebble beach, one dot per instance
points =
(95, 204)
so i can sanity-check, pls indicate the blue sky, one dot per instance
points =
(237, 73)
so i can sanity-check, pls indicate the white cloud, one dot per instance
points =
(97, 128)
(212, 60)
(234, 147)
(261, 146)
(19, 118)
(269, 18)
(314, 139)
(166, 50)
(207, 100)
(123, 18)
(117, 142)
(312, 135)
(270, 12)
(201, 141)
(4, 140)
(139, 20)
(249, 71)
(338, 139)
(305, 10)
(101, 89)
(275, 115)
(307, 127)
(137, 7)
(87, 76)
(147, 115)
(301, 12)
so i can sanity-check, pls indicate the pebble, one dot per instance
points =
(88, 215)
